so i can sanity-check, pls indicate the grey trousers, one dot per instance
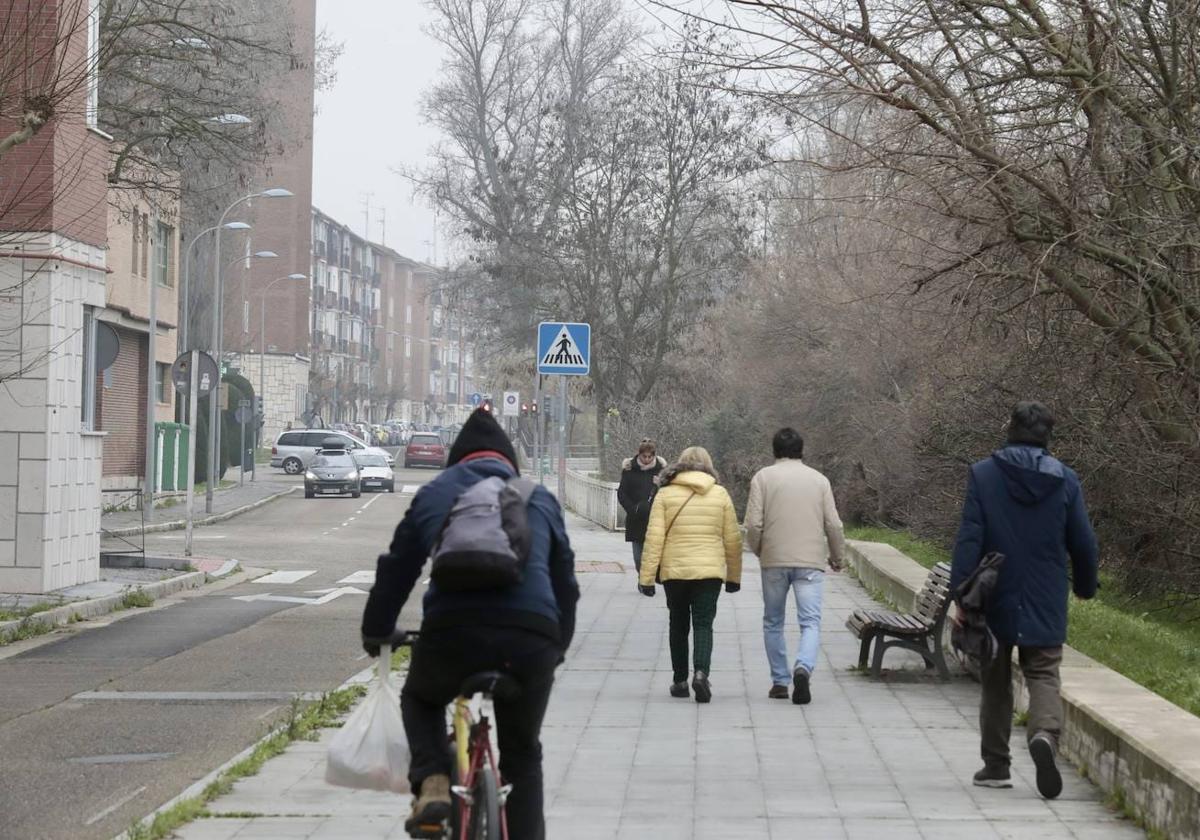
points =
(1040, 668)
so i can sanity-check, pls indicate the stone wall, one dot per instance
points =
(49, 464)
(286, 388)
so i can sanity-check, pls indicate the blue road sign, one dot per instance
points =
(564, 348)
(476, 399)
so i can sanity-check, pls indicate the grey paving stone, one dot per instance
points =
(880, 759)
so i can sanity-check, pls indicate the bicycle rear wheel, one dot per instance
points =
(485, 809)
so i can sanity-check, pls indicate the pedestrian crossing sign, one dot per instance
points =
(564, 349)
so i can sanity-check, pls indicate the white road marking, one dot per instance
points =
(326, 595)
(194, 536)
(374, 499)
(294, 576)
(364, 576)
(113, 807)
(268, 712)
(410, 488)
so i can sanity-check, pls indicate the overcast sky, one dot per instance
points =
(369, 124)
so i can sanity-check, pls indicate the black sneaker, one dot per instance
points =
(993, 777)
(1049, 780)
(701, 687)
(800, 691)
(679, 689)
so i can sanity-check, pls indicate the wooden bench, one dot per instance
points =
(920, 632)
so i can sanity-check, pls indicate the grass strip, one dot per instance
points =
(25, 630)
(1155, 647)
(303, 723)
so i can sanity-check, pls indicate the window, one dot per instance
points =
(408, 313)
(93, 64)
(144, 244)
(87, 413)
(389, 377)
(164, 242)
(160, 382)
(391, 342)
(136, 255)
(407, 347)
(245, 316)
(391, 308)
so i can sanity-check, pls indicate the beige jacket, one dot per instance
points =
(791, 519)
(704, 540)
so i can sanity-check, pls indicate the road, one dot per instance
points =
(102, 722)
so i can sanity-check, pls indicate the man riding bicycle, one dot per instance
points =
(522, 629)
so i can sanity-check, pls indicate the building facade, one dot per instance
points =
(267, 318)
(143, 248)
(53, 214)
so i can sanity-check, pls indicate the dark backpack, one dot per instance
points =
(485, 540)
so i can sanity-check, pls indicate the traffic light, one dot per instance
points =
(533, 407)
(548, 405)
(524, 409)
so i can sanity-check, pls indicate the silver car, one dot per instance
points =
(295, 450)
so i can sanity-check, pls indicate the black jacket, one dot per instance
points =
(545, 599)
(635, 494)
(1025, 504)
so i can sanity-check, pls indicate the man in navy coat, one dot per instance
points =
(1025, 504)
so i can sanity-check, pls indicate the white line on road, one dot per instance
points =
(410, 488)
(293, 576)
(362, 576)
(194, 536)
(113, 807)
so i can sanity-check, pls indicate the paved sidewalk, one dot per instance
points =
(873, 760)
(225, 502)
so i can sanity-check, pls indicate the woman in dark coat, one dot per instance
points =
(639, 482)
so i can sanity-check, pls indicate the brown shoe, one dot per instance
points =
(431, 808)
(778, 692)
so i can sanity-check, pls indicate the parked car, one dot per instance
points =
(425, 449)
(294, 450)
(374, 473)
(333, 471)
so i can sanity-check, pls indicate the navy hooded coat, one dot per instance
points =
(1027, 505)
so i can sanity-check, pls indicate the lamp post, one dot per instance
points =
(262, 349)
(187, 277)
(214, 427)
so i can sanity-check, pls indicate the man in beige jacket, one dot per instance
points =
(793, 526)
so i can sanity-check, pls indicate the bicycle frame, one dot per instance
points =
(472, 749)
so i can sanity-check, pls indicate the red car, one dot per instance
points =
(425, 450)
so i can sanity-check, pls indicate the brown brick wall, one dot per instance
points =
(282, 225)
(54, 181)
(121, 407)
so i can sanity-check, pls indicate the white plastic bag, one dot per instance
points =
(370, 752)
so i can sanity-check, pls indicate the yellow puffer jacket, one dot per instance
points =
(704, 540)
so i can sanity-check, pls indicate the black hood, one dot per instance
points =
(481, 433)
(1030, 472)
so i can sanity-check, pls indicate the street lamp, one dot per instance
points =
(214, 427)
(187, 277)
(262, 348)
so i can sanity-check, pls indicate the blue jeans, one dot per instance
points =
(637, 555)
(806, 585)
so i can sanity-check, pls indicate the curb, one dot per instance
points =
(196, 788)
(109, 603)
(180, 524)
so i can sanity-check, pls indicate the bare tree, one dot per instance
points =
(1059, 137)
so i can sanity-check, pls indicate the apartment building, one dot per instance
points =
(53, 220)
(143, 248)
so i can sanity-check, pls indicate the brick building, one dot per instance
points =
(285, 227)
(53, 220)
(143, 247)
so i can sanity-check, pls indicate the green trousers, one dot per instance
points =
(691, 603)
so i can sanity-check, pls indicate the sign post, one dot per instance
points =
(564, 349)
(242, 415)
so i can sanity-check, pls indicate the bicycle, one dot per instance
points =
(479, 794)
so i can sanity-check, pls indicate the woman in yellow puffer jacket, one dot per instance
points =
(693, 543)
